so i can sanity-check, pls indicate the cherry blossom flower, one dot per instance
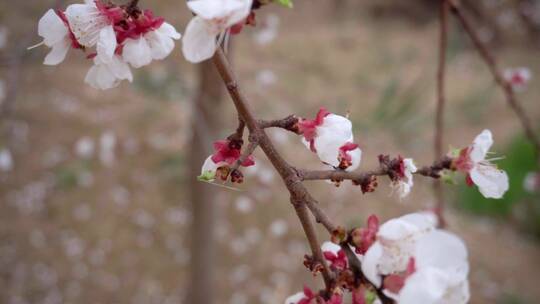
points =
(56, 34)
(518, 78)
(335, 255)
(213, 18)
(147, 38)
(330, 136)
(227, 152)
(491, 182)
(107, 75)
(304, 297)
(440, 274)
(404, 182)
(396, 240)
(92, 24)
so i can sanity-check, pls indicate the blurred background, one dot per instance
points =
(98, 191)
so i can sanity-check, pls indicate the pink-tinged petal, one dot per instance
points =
(106, 45)
(481, 145)
(52, 29)
(491, 182)
(250, 161)
(137, 52)
(370, 264)
(58, 52)
(199, 42)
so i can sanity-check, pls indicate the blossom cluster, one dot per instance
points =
(406, 259)
(122, 37)
(330, 136)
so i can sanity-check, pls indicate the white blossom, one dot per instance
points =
(405, 184)
(518, 78)
(331, 137)
(213, 17)
(395, 245)
(154, 45)
(491, 181)
(55, 35)
(92, 26)
(106, 75)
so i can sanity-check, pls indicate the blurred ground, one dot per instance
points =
(95, 207)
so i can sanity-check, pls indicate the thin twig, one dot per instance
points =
(499, 79)
(441, 100)
(337, 175)
(299, 194)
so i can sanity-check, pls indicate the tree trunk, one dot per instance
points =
(205, 122)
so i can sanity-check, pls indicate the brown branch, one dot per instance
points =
(299, 195)
(439, 113)
(288, 123)
(337, 175)
(252, 145)
(499, 79)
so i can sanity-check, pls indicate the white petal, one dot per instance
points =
(105, 76)
(86, 22)
(169, 31)
(106, 45)
(481, 145)
(295, 298)
(491, 182)
(58, 52)
(52, 28)
(211, 9)
(120, 69)
(334, 132)
(398, 238)
(99, 77)
(241, 13)
(137, 52)
(160, 45)
(445, 251)
(427, 287)
(330, 247)
(209, 165)
(199, 42)
(356, 156)
(370, 264)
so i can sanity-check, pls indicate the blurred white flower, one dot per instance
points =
(268, 31)
(84, 147)
(6, 160)
(518, 78)
(213, 18)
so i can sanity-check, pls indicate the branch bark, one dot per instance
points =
(299, 194)
(441, 100)
(489, 59)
